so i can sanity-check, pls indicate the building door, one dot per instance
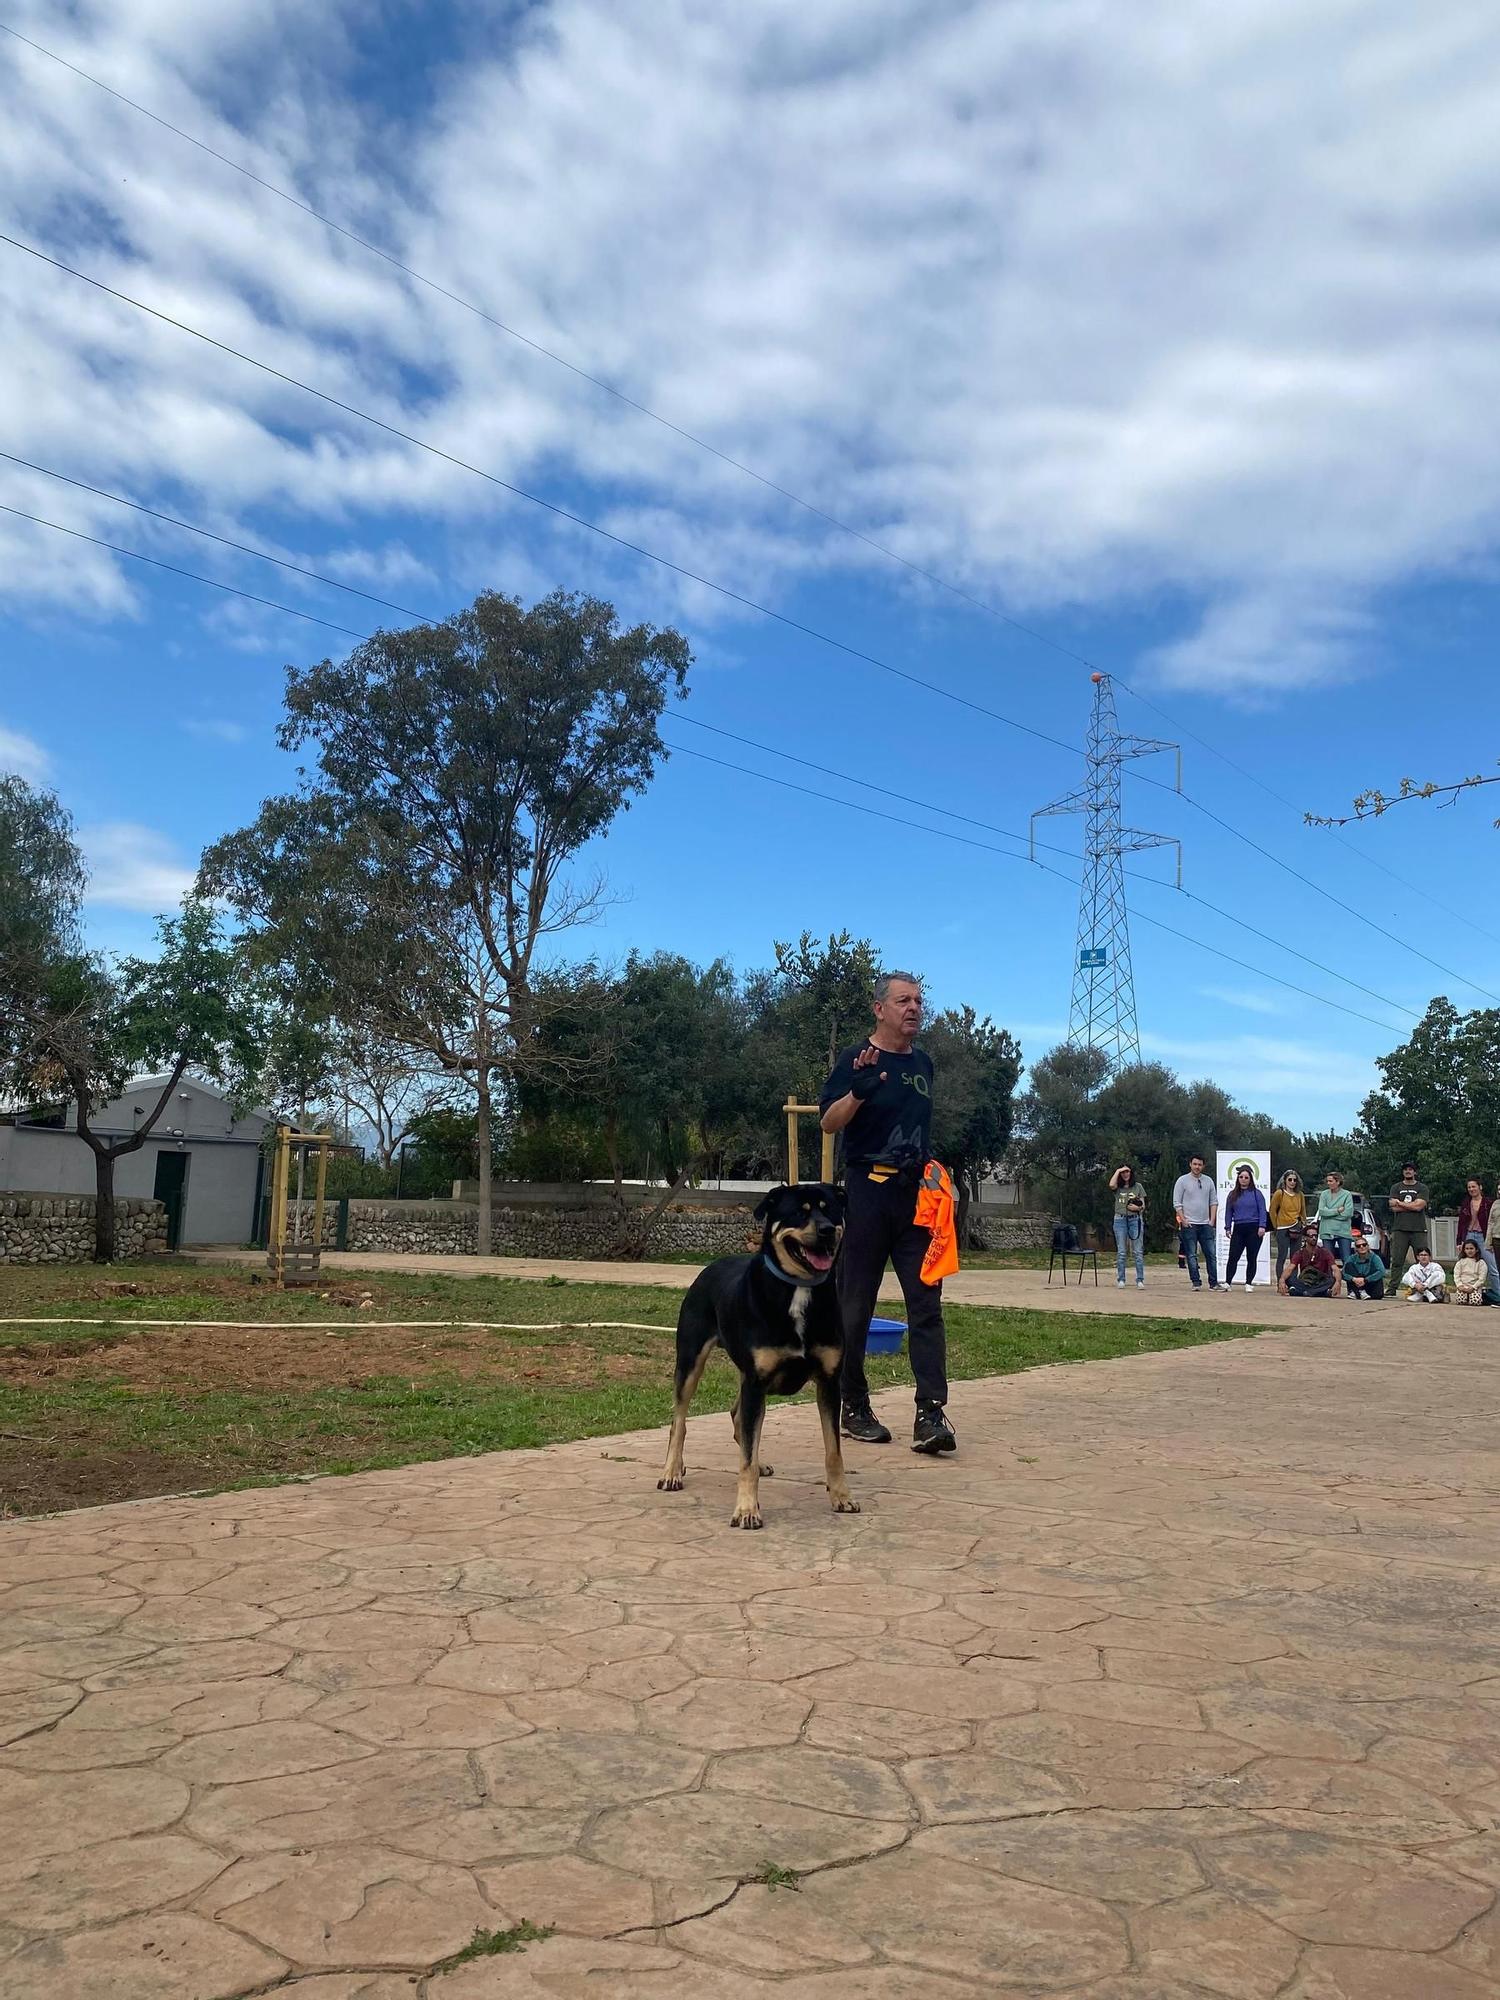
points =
(171, 1191)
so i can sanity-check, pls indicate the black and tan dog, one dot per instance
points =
(776, 1316)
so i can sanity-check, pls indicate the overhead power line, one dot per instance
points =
(192, 575)
(704, 444)
(694, 576)
(539, 347)
(679, 430)
(273, 604)
(966, 840)
(537, 500)
(208, 535)
(1049, 847)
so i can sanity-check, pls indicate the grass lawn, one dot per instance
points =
(120, 1411)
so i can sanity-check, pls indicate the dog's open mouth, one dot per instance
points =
(815, 1260)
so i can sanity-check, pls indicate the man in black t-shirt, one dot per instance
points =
(880, 1097)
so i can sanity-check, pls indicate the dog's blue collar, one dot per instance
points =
(776, 1272)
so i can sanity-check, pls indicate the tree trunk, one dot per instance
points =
(961, 1217)
(636, 1237)
(104, 1206)
(484, 1234)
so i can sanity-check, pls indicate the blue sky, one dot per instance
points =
(1171, 341)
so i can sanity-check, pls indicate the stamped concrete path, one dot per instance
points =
(1182, 1679)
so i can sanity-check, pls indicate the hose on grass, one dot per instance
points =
(386, 1325)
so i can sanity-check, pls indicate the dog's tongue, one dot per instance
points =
(819, 1259)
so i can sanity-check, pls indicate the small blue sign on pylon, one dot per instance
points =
(1096, 954)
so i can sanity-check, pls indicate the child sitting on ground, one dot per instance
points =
(1470, 1272)
(1425, 1280)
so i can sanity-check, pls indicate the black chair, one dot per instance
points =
(1065, 1244)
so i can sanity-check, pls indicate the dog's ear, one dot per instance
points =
(768, 1201)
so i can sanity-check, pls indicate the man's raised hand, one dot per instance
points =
(866, 1079)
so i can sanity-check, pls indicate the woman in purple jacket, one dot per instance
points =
(1245, 1219)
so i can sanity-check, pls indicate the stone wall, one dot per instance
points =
(1011, 1228)
(593, 1228)
(584, 1229)
(59, 1228)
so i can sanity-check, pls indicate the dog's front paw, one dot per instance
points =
(746, 1517)
(844, 1504)
(670, 1485)
(767, 1471)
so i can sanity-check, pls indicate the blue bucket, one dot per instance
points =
(885, 1336)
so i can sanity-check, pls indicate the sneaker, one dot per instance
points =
(932, 1431)
(1121, 1283)
(864, 1426)
(1140, 1284)
(1249, 1288)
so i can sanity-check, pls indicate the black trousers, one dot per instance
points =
(1244, 1236)
(879, 1229)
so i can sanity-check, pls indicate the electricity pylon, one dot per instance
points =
(1102, 1014)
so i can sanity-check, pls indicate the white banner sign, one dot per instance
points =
(1228, 1172)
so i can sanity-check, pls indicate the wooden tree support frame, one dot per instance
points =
(295, 1257)
(794, 1111)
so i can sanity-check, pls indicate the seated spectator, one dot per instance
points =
(1471, 1275)
(1364, 1272)
(1425, 1282)
(1311, 1272)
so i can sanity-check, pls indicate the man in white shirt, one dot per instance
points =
(1424, 1281)
(1196, 1200)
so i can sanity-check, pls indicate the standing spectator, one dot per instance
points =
(1364, 1272)
(1425, 1281)
(1471, 1274)
(1335, 1216)
(1474, 1211)
(1130, 1222)
(1195, 1200)
(1245, 1217)
(1288, 1213)
(1408, 1202)
(1311, 1272)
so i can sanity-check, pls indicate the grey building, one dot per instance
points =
(201, 1160)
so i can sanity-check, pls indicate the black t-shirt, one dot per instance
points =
(897, 1114)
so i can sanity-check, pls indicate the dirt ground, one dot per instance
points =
(287, 1358)
(92, 1414)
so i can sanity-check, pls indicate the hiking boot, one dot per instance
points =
(932, 1431)
(864, 1426)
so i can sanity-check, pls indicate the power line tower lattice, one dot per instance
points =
(1102, 1013)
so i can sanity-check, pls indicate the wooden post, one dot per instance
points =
(277, 1234)
(793, 1111)
(318, 1198)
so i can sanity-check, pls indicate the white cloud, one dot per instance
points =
(134, 867)
(1187, 307)
(1253, 1002)
(23, 756)
(215, 728)
(1261, 1072)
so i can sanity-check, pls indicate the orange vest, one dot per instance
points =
(937, 1210)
